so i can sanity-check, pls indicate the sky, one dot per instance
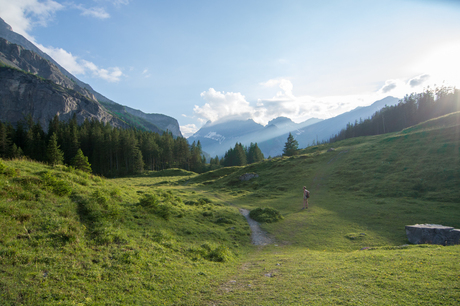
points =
(200, 61)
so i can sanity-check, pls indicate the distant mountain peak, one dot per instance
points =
(280, 120)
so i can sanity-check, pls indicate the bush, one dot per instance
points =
(148, 200)
(220, 254)
(58, 187)
(162, 210)
(267, 215)
(9, 172)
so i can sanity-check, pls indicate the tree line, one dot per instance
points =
(242, 155)
(110, 151)
(413, 109)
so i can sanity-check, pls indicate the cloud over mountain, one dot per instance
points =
(24, 15)
(222, 106)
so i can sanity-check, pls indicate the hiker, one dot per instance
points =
(306, 195)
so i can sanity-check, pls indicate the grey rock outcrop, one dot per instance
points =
(18, 57)
(432, 234)
(248, 176)
(24, 94)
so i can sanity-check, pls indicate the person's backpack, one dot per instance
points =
(308, 194)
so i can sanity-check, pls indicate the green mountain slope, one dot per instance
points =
(177, 238)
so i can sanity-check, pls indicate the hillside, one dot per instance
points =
(177, 238)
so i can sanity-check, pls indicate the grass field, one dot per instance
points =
(177, 238)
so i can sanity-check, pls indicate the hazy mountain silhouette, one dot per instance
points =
(217, 137)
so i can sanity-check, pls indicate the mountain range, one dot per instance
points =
(218, 137)
(43, 88)
(31, 82)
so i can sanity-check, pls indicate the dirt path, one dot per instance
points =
(258, 236)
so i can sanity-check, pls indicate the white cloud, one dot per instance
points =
(284, 84)
(116, 3)
(112, 74)
(23, 15)
(146, 73)
(97, 12)
(188, 130)
(222, 104)
(64, 58)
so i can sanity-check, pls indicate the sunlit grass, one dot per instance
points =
(177, 238)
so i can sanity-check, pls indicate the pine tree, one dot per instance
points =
(16, 152)
(54, 155)
(80, 162)
(254, 154)
(291, 146)
(5, 142)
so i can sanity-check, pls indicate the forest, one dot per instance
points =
(413, 109)
(110, 151)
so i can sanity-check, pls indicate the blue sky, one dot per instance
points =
(210, 60)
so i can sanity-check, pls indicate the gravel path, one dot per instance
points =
(258, 236)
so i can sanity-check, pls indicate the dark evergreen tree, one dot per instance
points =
(80, 162)
(254, 154)
(291, 146)
(16, 152)
(54, 155)
(5, 142)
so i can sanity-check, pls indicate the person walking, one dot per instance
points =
(306, 195)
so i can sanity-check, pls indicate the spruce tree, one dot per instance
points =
(291, 146)
(54, 155)
(80, 162)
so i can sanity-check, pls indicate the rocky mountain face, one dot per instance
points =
(23, 94)
(16, 51)
(18, 57)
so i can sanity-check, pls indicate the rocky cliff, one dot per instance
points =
(18, 57)
(24, 94)
(16, 51)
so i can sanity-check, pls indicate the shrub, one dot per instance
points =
(220, 254)
(267, 215)
(9, 172)
(162, 210)
(148, 200)
(59, 187)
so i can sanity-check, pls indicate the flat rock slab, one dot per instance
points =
(432, 234)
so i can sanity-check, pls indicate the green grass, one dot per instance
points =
(177, 238)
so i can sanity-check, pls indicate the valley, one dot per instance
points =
(175, 237)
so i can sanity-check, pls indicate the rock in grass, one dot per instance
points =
(432, 234)
(248, 176)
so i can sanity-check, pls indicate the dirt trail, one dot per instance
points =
(258, 236)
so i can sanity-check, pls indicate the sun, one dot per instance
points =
(442, 64)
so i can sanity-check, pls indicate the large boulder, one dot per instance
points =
(432, 234)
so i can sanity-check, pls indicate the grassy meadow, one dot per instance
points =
(177, 238)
